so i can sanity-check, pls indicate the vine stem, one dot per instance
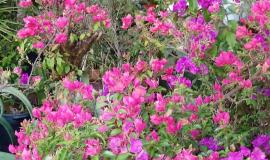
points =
(37, 59)
(236, 89)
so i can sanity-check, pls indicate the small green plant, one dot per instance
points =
(8, 90)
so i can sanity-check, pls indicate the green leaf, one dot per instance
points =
(193, 6)
(59, 66)
(50, 63)
(115, 132)
(85, 77)
(17, 93)
(73, 38)
(96, 26)
(231, 39)
(82, 36)
(6, 156)
(108, 154)
(123, 156)
(95, 158)
(63, 154)
(8, 129)
(213, 51)
(67, 68)
(1, 107)
(207, 15)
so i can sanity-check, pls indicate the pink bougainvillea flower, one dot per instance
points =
(158, 65)
(140, 65)
(25, 3)
(214, 8)
(143, 155)
(242, 32)
(213, 156)
(164, 14)
(68, 84)
(93, 9)
(17, 70)
(87, 92)
(185, 155)
(61, 38)
(116, 80)
(107, 23)
(36, 79)
(266, 65)
(246, 83)
(226, 58)
(103, 128)
(38, 45)
(160, 104)
(36, 113)
(12, 149)
(93, 147)
(127, 21)
(136, 146)
(151, 16)
(31, 23)
(70, 3)
(195, 133)
(156, 119)
(222, 118)
(155, 136)
(140, 125)
(152, 83)
(25, 33)
(199, 100)
(61, 22)
(26, 154)
(118, 144)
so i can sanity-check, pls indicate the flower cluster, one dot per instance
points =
(43, 26)
(54, 118)
(211, 5)
(204, 35)
(180, 7)
(157, 109)
(135, 114)
(158, 23)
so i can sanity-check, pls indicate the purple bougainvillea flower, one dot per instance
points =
(24, 78)
(262, 142)
(257, 154)
(180, 7)
(186, 64)
(136, 146)
(210, 143)
(266, 92)
(235, 156)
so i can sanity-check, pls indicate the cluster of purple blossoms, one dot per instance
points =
(204, 35)
(256, 154)
(207, 3)
(210, 143)
(185, 64)
(24, 78)
(266, 92)
(262, 142)
(180, 7)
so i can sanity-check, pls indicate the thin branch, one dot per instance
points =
(37, 59)
(238, 88)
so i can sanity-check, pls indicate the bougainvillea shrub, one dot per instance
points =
(209, 99)
(146, 111)
(61, 33)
